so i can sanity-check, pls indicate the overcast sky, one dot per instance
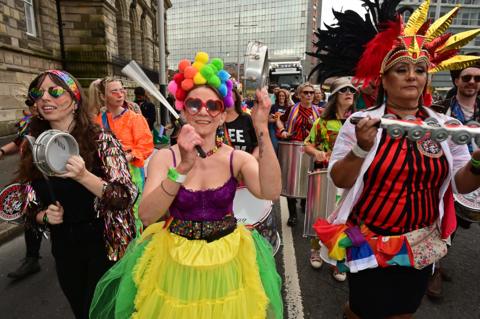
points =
(339, 5)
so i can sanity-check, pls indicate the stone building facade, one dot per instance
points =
(96, 38)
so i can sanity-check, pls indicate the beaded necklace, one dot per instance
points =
(218, 144)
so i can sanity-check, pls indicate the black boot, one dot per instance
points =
(29, 266)
(292, 211)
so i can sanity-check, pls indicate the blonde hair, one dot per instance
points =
(303, 86)
(95, 101)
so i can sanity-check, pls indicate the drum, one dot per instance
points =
(321, 200)
(294, 163)
(256, 66)
(256, 213)
(467, 206)
(52, 149)
(13, 202)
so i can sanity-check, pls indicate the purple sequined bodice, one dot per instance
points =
(210, 204)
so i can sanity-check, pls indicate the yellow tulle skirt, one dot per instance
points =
(164, 275)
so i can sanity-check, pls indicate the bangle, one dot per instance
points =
(475, 163)
(165, 191)
(175, 176)
(359, 152)
(45, 218)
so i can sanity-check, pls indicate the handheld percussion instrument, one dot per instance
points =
(135, 72)
(467, 206)
(416, 130)
(256, 213)
(294, 164)
(51, 151)
(13, 202)
(256, 66)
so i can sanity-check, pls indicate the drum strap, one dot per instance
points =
(105, 123)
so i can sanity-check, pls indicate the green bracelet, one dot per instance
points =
(475, 163)
(175, 176)
(45, 219)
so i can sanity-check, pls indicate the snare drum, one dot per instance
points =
(294, 163)
(13, 202)
(256, 213)
(321, 200)
(467, 206)
(52, 149)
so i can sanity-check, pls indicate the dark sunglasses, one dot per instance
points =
(467, 78)
(213, 107)
(308, 92)
(347, 88)
(54, 91)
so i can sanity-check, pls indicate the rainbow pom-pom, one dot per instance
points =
(201, 57)
(187, 85)
(198, 79)
(172, 87)
(182, 65)
(218, 63)
(190, 72)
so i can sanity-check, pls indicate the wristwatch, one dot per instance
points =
(175, 176)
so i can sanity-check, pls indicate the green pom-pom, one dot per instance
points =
(207, 71)
(214, 81)
(218, 63)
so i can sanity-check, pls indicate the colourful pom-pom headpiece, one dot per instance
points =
(67, 78)
(200, 72)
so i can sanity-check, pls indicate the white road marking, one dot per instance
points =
(293, 296)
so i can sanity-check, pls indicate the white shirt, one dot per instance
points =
(457, 156)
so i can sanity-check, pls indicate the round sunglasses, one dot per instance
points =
(213, 107)
(347, 88)
(54, 91)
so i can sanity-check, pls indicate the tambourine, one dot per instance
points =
(13, 202)
(416, 129)
(468, 206)
(51, 151)
(256, 66)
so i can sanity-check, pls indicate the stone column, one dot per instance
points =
(124, 40)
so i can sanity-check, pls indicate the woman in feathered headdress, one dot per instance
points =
(395, 213)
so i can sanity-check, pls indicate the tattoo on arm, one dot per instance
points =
(260, 145)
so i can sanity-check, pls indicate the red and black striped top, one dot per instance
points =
(402, 185)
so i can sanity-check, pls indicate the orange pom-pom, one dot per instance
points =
(187, 84)
(190, 72)
(182, 65)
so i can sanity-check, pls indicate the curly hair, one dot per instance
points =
(85, 131)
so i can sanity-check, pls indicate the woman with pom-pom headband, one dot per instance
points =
(200, 261)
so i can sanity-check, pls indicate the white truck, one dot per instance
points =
(285, 71)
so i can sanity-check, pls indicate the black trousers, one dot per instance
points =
(81, 260)
(292, 205)
(33, 240)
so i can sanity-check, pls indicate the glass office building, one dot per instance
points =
(223, 27)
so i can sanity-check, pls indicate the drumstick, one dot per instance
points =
(133, 71)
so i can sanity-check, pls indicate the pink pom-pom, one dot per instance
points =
(182, 65)
(190, 72)
(172, 87)
(179, 105)
(187, 84)
(180, 95)
(178, 78)
(228, 101)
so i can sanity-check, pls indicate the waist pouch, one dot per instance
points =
(206, 230)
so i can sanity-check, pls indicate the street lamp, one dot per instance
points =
(239, 25)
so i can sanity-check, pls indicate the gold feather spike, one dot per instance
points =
(417, 19)
(457, 62)
(458, 40)
(441, 25)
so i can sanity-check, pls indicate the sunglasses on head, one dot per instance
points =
(467, 78)
(213, 107)
(308, 92)
(347, 88)
(54, 91)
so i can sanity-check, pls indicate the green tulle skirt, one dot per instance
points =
(163, 275)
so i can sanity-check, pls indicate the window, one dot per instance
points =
(30, 18)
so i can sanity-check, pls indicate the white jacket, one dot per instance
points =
(457, 156)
